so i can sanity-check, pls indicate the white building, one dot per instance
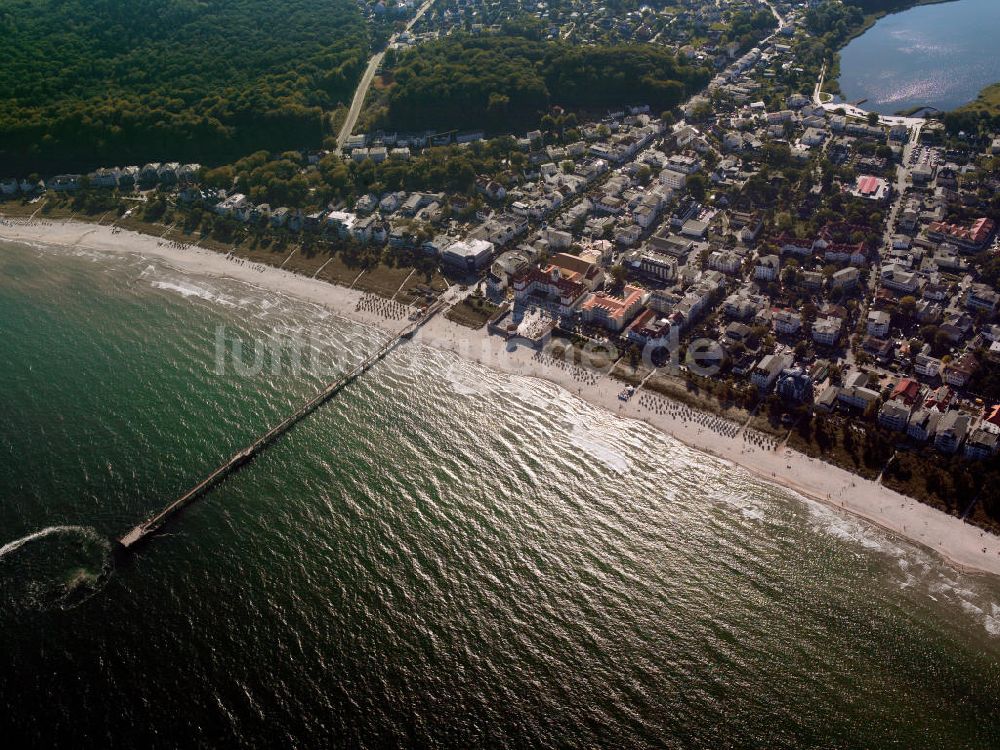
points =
(725, 261)
(768, 369)
(894, 415)
(826, 331)
(469, 255)
(878, 323)
(766, 268)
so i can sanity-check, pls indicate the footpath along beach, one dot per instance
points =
(964, 546)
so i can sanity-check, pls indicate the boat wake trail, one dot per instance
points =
(58, 567)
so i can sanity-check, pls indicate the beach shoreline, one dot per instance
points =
(964, 547)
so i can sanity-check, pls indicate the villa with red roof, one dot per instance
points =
(907, 391)
(973, 238)
(613, 312)
(550, 289)
(650, 325)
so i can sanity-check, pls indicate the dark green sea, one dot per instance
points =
(442, 556)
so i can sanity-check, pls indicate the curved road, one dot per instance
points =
(862, 114)
(366, 80)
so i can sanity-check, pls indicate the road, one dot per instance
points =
(777, 16)
(898, 198)
(366, 80)
(862, 114)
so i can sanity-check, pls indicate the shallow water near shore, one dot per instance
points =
(442, 554)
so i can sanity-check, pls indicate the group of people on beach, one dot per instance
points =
(683, 412)
(719, 425)
(25, 222)
(258, 267)
(385, 308)
(173, 244)
(579, 374)
(757, 440)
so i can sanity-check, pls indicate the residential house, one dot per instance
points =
(907, 390)
(235, 203)
(894, 415)
(951, 430)
(167, 173)
(149, 174)
(981, 444)
(845, 278)
(982, 297)
(926, 365)
(766, 372)
(878, 323)
(766, 268)
(880, 349)
(923, 424)
(826, 330)
(786, 322)
(899, 279)
(726, 261)
(959, 372)
(858, 396)
(794, 384)
(64, 183)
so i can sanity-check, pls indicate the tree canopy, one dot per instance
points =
(91, 82)
(503, 82)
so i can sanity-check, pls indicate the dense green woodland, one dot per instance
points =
(505, 82)
(91, 82)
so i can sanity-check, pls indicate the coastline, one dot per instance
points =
(961, 545)
(987, 101)
(870, 20)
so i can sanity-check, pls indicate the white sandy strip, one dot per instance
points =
(965, 547)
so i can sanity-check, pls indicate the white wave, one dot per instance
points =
(185, 291)
(850, 529)
(599, 448)
(971, 608)
(48, 531)
(460, 377)
(465, 389)
(188, 289)
(992, 625)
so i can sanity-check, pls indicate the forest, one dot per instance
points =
(505, 82)
(86, 83)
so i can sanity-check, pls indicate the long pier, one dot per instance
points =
(141, 532)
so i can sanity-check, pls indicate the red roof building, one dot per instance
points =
(974, 237)
(907, 391)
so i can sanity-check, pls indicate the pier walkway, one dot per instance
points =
(150, 526)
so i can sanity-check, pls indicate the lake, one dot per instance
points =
(933, 55)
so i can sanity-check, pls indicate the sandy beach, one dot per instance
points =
(965, 547)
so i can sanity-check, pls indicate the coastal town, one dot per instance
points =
(500, 373)
(764, 251)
